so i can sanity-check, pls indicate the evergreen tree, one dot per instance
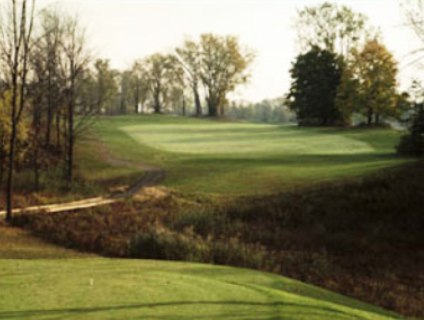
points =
(412, 144)
(316, 76)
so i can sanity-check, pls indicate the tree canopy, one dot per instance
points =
(369, 83)
(224, 65)
(331, 27)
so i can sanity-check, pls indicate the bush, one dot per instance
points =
(158, 242)
(411, 145)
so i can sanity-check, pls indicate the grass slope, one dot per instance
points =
(129, 289)
(230, 158)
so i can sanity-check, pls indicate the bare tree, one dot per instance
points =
(15, 48)
(75, 61)
(414, 13)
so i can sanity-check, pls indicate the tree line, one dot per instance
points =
(44, 63)
(52, 86)
(210, 68)
(343, 70)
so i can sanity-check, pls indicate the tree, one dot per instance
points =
(412, 144)
(223, 66)
(74, 62)
(15, 48)
(331, 27)
(190, 58)
(139, 86)
(158, 72)
(46, 60)
(178, 83)
(373, 73)
(106, 85)
(315, 77)
(5, 134)
(348, 100)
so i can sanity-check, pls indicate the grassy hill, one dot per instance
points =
(130, 289)
(79, 286)
(209, 156)
(302, 233)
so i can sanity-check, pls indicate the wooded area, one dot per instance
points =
(52, 86)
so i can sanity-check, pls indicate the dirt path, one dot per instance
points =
(151, 176)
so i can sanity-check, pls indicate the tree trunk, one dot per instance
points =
(36, 127)
(157, 107)
(212, 112)
(9, 185)
(197, 103)
(49, 111)
(71, 135)
(36, 169)
(184, 106)
(58, 137)
(370, 114)
(213, 105)
(136, 100)
(2, 158)
(377, 119)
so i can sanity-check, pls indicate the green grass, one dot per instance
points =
(229, 158)
(99, 288)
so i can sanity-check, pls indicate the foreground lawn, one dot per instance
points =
(98, 288)
(231, 158)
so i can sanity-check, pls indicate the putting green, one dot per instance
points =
(97, 288)
(229, 138)
(233, 158)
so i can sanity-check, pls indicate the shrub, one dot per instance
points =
(158, 242)
(411, 145)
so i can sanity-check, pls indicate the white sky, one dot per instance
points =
(124, 30)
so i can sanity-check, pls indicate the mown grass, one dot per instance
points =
(130, 289)
(227, 158)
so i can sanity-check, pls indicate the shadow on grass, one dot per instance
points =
(292, 159)
(278, 313)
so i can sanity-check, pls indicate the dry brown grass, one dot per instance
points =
(16, 243)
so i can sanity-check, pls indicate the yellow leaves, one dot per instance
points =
(6, 124)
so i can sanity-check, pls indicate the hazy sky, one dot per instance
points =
(124, 30)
